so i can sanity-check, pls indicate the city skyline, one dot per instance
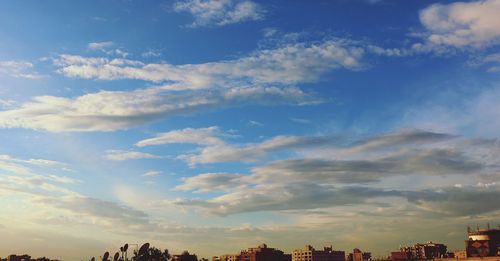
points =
(214, 125)
(481, 244)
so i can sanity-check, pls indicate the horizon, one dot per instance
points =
(216, 125)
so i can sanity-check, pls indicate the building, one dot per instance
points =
(25, 258)
(19, 258)
(482, 242)
(226, 258)
(420, 251)
(308, 253)
(259, 253)
(263, 253)
(427, 250)
(460, 254)
(185, 256)
(358, 255)
(398, 255)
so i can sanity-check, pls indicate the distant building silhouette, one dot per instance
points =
(358, 255)
(311, 254)
(420, 251)
(185, 256)
(260, 253)
(25, 257)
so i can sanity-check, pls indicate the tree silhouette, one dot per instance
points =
(153, 254)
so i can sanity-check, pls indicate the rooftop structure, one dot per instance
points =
(482, 242)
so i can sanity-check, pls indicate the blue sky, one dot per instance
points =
(214, 126)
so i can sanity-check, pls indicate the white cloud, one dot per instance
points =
(214, 149)
(203, 136)
(254, 123)
(151, 53)
(23, 166)
(220, 12)
(27, 177)
(207, 182)
(121, 155)
(18, 69)
(265, 77)
(247, 152)
(112, 110)
(462, 24)
(100, 45)
(286, 65)
(100, 211)
(287, 196)
(269, 32)
(45, 162)
(152, 173)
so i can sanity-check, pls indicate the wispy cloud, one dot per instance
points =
(102, 211)
(121, 155)
(202, 136)
(31, 177)
(214, 149)
(19, 69)
(220, 12)
(285, 65)
(152, 173)
(100, 45)
(255, 123)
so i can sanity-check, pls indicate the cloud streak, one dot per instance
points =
(113, 110)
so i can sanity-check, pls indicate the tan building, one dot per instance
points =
(308, 253)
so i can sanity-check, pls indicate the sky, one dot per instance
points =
(217, 125)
